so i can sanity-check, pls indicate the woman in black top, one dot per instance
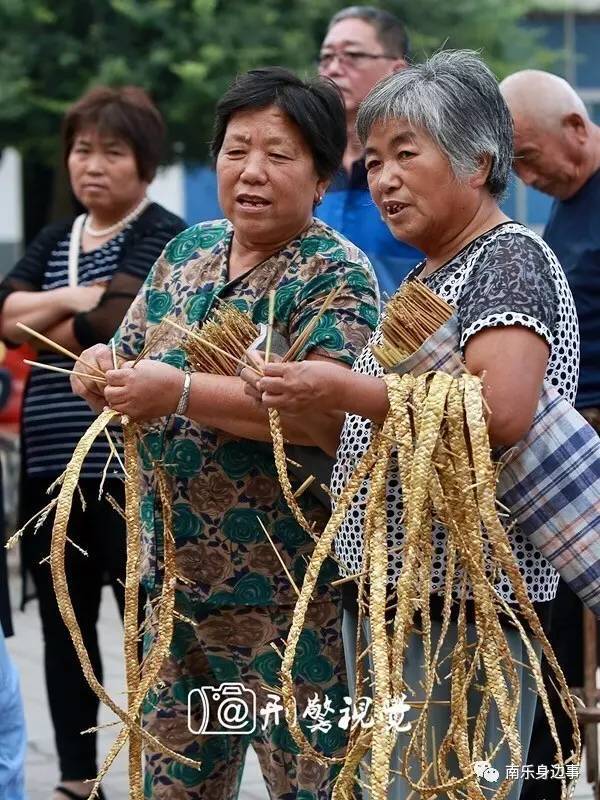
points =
(74, 284)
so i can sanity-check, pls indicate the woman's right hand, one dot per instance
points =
(99, 356)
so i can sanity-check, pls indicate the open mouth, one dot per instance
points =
(393, 207)
(252, 201)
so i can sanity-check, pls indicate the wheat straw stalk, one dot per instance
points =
(270, 325)
(52, 368)
(412, 315)
(214, 347)
(58, 347)
(278, 554)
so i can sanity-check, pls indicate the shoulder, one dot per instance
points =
(156, 217)
(41, 247)
(325, 250)
(515, 243)
(55, 232)
(323, 240)
(196, 241)
(511, 256)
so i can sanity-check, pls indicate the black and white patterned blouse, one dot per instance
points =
(507, 276)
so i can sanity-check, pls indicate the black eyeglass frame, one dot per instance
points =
(352, 57)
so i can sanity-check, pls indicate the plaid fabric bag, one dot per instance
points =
(550, 480)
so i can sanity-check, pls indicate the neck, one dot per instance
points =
(105, 217)
(247, 253)
(486, 216)
(354, 149)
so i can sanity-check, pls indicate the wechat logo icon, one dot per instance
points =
(483, 769)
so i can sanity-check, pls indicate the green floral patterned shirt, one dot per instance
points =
(222, 484)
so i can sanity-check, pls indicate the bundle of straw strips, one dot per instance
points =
(221, 342)
(412, 315)
(436, 433)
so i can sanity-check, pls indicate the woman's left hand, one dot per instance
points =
(296, 388)
(147, 391)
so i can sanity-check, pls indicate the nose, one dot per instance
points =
(389, 177)
(333, 68)
(94, 163)
(254, 169)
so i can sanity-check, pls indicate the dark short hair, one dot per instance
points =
(126, 113)
(390, 32)
(315, 106)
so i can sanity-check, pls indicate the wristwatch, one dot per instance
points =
(185, 394)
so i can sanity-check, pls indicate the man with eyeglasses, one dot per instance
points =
(362, 46)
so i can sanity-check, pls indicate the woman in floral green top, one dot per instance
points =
(277, 143)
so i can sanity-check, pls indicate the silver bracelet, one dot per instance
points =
(185, 394)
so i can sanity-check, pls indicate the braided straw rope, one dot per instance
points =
(137, 688)
(437, 424)
(131, 614)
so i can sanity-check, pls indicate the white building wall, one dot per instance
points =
(168, 189)
(11, 208)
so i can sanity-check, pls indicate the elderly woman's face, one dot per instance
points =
(104, 173)
(266, 177)
(414, 187)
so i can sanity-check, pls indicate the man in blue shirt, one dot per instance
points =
(13, 740)
(362, 46)
(557, 150)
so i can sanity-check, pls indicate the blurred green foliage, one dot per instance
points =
(185, 53)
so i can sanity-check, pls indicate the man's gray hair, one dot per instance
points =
(455, 98)
(389, 30)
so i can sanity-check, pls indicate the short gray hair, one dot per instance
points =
(390, 31)
(454, 96)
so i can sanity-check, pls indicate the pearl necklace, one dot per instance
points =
(118, 225)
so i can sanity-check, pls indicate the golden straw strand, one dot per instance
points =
(59, 348)
(52, 368)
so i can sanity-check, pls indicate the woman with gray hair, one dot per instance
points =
(438, 141)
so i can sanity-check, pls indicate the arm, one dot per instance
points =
(39, 310)
(299, 389)
(22, 298)
(511, 362)
(49, 312)
(141, 251)
(64, 334)
(152, 390)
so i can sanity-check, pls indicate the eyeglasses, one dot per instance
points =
(351, 58)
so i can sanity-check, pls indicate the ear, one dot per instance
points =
(479, 178)
(398, 64)
(320, 189)
(574, 125)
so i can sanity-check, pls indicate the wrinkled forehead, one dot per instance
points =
(352, 32)
(530, 133)
(389, 132)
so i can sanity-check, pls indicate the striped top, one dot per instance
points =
(54, 419)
